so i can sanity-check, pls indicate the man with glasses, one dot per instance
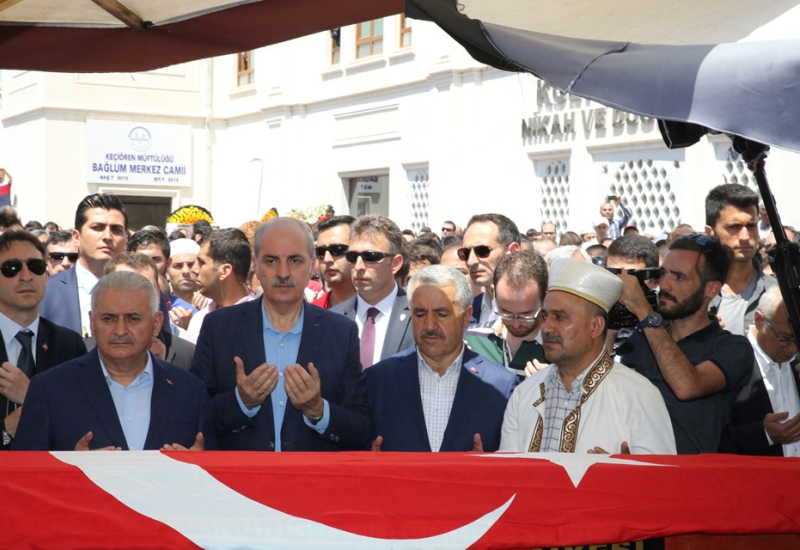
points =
(31, 344)
(380, 306)
(284, 375)
(62, 252)
(487, 239)
(520, 281)
(448, 229)
(333, 240)
(766, 417)
(549, 231)
(698, 367)
(439, 396)
(732, 216)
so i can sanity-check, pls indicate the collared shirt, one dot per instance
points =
(617, 226)
(381, 321)
(133, 404)
(86, 282)
(281, 349)
(9, 329)
(438, 393)
(558, 404)
(488, 315)
(778, 379)
(197, 319)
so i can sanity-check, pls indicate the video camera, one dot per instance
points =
(619, 317)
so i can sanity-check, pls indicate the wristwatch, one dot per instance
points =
(7, 437)
(314, 420)
(653, 320)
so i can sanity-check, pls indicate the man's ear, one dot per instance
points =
(224, 271)
(512, 248)
(709, 231)
(158, 319)
(397, 263)
(713, 288)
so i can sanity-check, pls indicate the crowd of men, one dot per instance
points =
(357, 335)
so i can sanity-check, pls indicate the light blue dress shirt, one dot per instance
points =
(281, 349)
(133, 404)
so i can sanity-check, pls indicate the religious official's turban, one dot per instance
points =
(183, 246)
(586, 280)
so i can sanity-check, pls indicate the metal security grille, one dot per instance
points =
(734, 170)
(555, 194)
(420, 198)
(646, 186)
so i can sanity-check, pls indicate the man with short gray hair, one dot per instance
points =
(454, 393)
(119, 396)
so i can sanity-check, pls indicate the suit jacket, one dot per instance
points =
(399, 335)
(67, 401)
(328, 340)
(61, 304)
(744, 433)
(483, 390)
(54, 345)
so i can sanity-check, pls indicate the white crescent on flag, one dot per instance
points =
(212, 515)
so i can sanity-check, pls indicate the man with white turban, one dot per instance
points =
(584, 402)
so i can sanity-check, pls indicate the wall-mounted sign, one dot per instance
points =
(138, 153)
(371, 184)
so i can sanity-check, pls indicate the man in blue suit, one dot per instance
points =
(118, 396)
(101, 225)
(284, 375)
(439, 396)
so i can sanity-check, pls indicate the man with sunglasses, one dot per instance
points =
(31, 344)
(333, 238)
(62, 252)
(520, 282)
(284, 375)
(766, 417)
(380, 306)
(698, 367)
(487, 239)
(732, 216)
(101, 225)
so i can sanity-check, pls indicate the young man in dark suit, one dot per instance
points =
(23, 280)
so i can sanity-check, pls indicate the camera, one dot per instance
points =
(619, 317)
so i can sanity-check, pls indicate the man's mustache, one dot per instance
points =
(287, 282)
(431, 333)
(121, 340)
(551, 339)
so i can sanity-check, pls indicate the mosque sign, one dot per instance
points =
(136, 153)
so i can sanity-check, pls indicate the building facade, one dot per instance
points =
(389, 116)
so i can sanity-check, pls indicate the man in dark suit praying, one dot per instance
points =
(283, 375)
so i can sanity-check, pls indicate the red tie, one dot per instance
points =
(368, 338)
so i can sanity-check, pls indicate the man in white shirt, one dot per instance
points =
(101, 225)
(766, 417)
(584, 402)
(380, 306)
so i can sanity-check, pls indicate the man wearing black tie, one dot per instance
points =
(31, 344)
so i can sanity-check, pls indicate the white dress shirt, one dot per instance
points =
(780, 388)
(86, 282)
(437, 393)
(381, 321)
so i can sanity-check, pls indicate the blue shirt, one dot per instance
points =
(174, 301)
(281, 349)
(133, 404)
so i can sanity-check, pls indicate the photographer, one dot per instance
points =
(698, 367)
(630, 252)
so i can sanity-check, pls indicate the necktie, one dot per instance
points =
(25, 362)
(368, 338)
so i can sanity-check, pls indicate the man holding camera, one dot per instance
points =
(698, 367)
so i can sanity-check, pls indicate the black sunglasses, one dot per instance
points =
(701, 239)
(369, 256)
(59, 256)
(10, 268)
(336, 250)
(481, 251)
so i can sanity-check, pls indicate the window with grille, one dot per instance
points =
(555, 194)
(419, 196)
(369, 38)
(647, 188)
(245, 73)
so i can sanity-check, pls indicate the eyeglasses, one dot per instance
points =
(520, 318)
(11, 268)
(702, 240)
(336, 250)
(782, 339)
(481, 251)
(369, 256)
(59, 256)
(448, 229)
